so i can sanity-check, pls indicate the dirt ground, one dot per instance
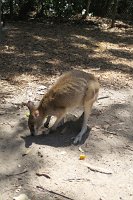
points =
(47, 167)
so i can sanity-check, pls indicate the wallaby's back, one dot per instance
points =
(71, 90)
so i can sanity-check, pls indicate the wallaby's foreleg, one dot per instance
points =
(46, 124)
(59, 116)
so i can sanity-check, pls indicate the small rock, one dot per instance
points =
(21, 197)
(42, 87)
(18, 189)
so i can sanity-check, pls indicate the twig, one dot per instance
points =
(103, 97)
(128, 148)
(96, 169)
(77, 179)
(43, 174)
(52, 192)
(17, 104)
(2, 113)
(23, 172)
(110, 132)
(7, 123)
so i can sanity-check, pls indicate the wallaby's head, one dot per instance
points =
(35, 120)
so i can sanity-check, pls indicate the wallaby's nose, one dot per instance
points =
(33, 133)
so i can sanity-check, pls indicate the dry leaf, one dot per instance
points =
(80, 149)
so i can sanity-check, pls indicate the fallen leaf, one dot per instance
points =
(80, 149)
(26, 152)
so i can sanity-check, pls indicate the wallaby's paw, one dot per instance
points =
(46, 125)
(77, 139)
(33, 133)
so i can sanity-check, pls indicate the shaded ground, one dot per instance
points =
(33, 56)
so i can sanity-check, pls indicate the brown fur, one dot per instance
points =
(73, 89)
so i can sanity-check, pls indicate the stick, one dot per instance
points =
(128, 148)
(96, 169)
(17, 173)
(103, 97)
(77, 179)
(52, 192)
(7, 123)
(43, 174)
(110, 132)
(17, 104)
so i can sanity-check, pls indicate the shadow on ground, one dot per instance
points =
(42, 49)
(62, 137)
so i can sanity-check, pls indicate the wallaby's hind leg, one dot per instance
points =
(87, 111)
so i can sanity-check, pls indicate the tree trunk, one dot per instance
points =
(107, 8)
(114, 11)
(87, 9)
(40, 11)
(11, 8)
(0, 22)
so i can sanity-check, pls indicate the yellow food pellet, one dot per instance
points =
(27, 114)
(82, 157)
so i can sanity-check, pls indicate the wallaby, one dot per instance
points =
(73, 89)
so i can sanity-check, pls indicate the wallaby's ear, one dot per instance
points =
(30, 105)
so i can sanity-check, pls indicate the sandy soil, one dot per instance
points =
(47, 167)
